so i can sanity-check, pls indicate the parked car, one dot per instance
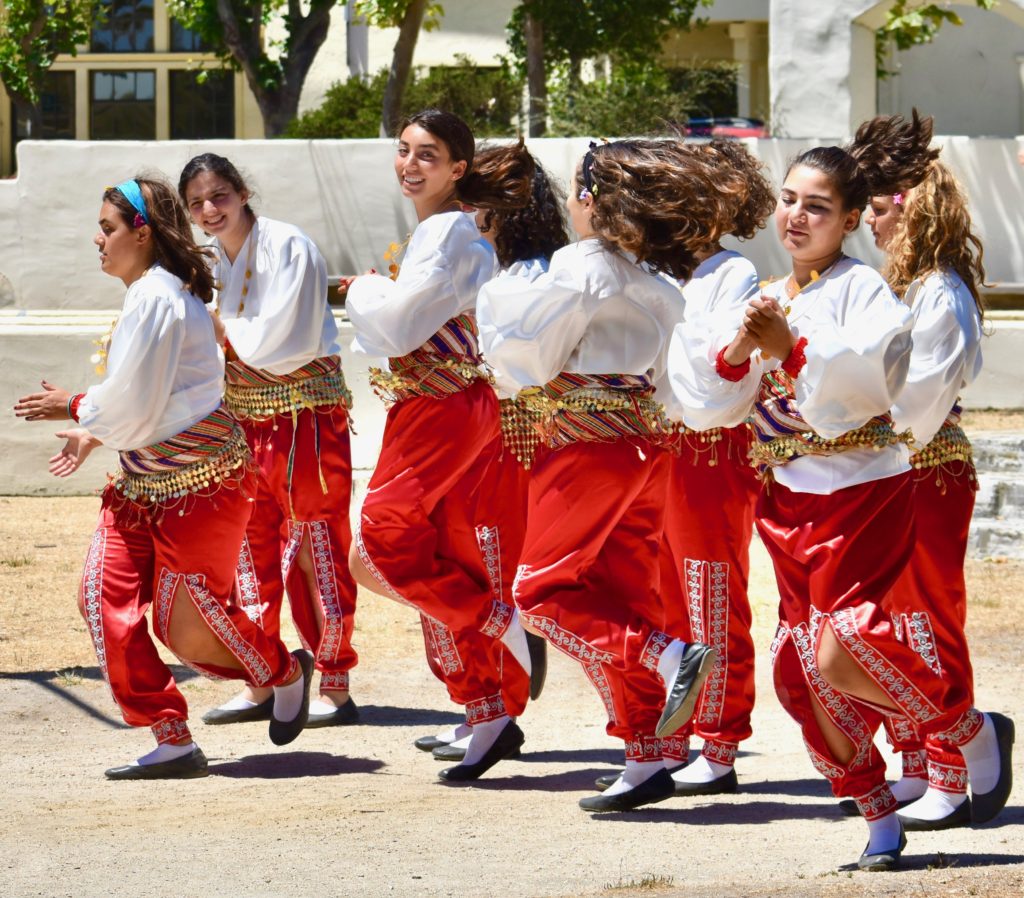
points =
(726, 126)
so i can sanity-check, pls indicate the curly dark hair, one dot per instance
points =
(652, 200)
(888, 155)
(743, 175)
(532, 231)
(172, 234)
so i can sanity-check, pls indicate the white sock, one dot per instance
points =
(237, 703)
(319, 706)
(674, 764)
(909, 788)
(636, 772)
(463, 742)
(982, 757)
(514, 639)
(165, 752)
(454, 734)
(883, 834)
(934, 805)
(701, 771)
(668, 663)
(483, 737)
(288, 699)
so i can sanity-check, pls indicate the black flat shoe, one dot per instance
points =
(429, 743)
(606, 781)
(449, 752)
(187, 767)
(656, 788)
(344, 715)
(886, 860)
(218, 716)
(725, 784)
(283, 732)
(987, 805)
(697, 663)
(538, 646)
(960, 817)
(509, 742)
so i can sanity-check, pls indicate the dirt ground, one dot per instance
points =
(358, 811)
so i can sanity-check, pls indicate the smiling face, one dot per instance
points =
(882, 217)
(219, 209)
(426, 171)
(810, 217)
(124, 251)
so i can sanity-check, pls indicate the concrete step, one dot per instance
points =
(997, 528)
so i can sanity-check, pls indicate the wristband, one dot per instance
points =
(731, 372)
(74, 401)
(796, 359)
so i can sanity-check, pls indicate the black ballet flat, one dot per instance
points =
(282, 732)
(697, 663)
(509, 741)
(656, 788)
(187, 767)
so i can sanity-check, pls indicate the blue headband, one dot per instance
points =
(133, 193)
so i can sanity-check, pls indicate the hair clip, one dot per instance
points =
(138, 221)
(897, 199)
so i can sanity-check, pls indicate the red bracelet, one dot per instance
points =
(730, 372)
(73, 404)
(796, 359)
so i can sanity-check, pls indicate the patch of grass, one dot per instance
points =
(70, 677)
(16, 561)
(648, 882)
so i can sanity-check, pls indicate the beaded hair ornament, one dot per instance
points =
(589, 188)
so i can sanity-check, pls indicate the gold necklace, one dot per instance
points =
(248, 267)
(814, 278)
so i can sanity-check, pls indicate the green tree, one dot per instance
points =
(274, 69)
(549, 34)
(32, 34)
(409, 17)
(909, 23)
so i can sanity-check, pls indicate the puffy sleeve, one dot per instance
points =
(704, 397)
(287, 332)
(528, 331)
(124, 410)
(857, 360)
(444, 267)
(946, 332)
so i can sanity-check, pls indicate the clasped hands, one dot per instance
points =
(765, 327)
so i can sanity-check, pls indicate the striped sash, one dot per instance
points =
(257, 394)
(783, 434)
(574, 408)
(198, 459)
(446, 364)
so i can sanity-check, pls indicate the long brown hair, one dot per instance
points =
(650, 199)
(172, 234)
(934, 234)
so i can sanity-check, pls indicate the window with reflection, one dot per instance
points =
(125, 27)
(123, 105)
(57, 103)
(185, 41)
(202, 107)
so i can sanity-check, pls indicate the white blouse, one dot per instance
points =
(527, 271)
(444, 266)
(286, 321)
(720, 287)
(164, 368)
(946, 356)
(858, 353)
(595, 311)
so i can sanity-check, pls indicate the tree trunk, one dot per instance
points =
(536, 77)
(401, 66)
(30, 117)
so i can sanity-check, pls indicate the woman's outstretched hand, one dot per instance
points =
(79, 445)
(50, 405)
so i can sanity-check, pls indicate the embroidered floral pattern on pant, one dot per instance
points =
(947, 778)
(224, 629)
(916, 631)
(907, 697)
(334, 681)
(643, 748)
(481, 710)
(675, 747)
(824, 766)
(656, 643)
(570, 644)
(333, 637)
(92, 592)
(964, 730)
(707, 586)
(248, 585)
(839, 709)
(445, 650)
(498, 621)
(720, 752)
(173, 730)
(877, 803)
(488, 539)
